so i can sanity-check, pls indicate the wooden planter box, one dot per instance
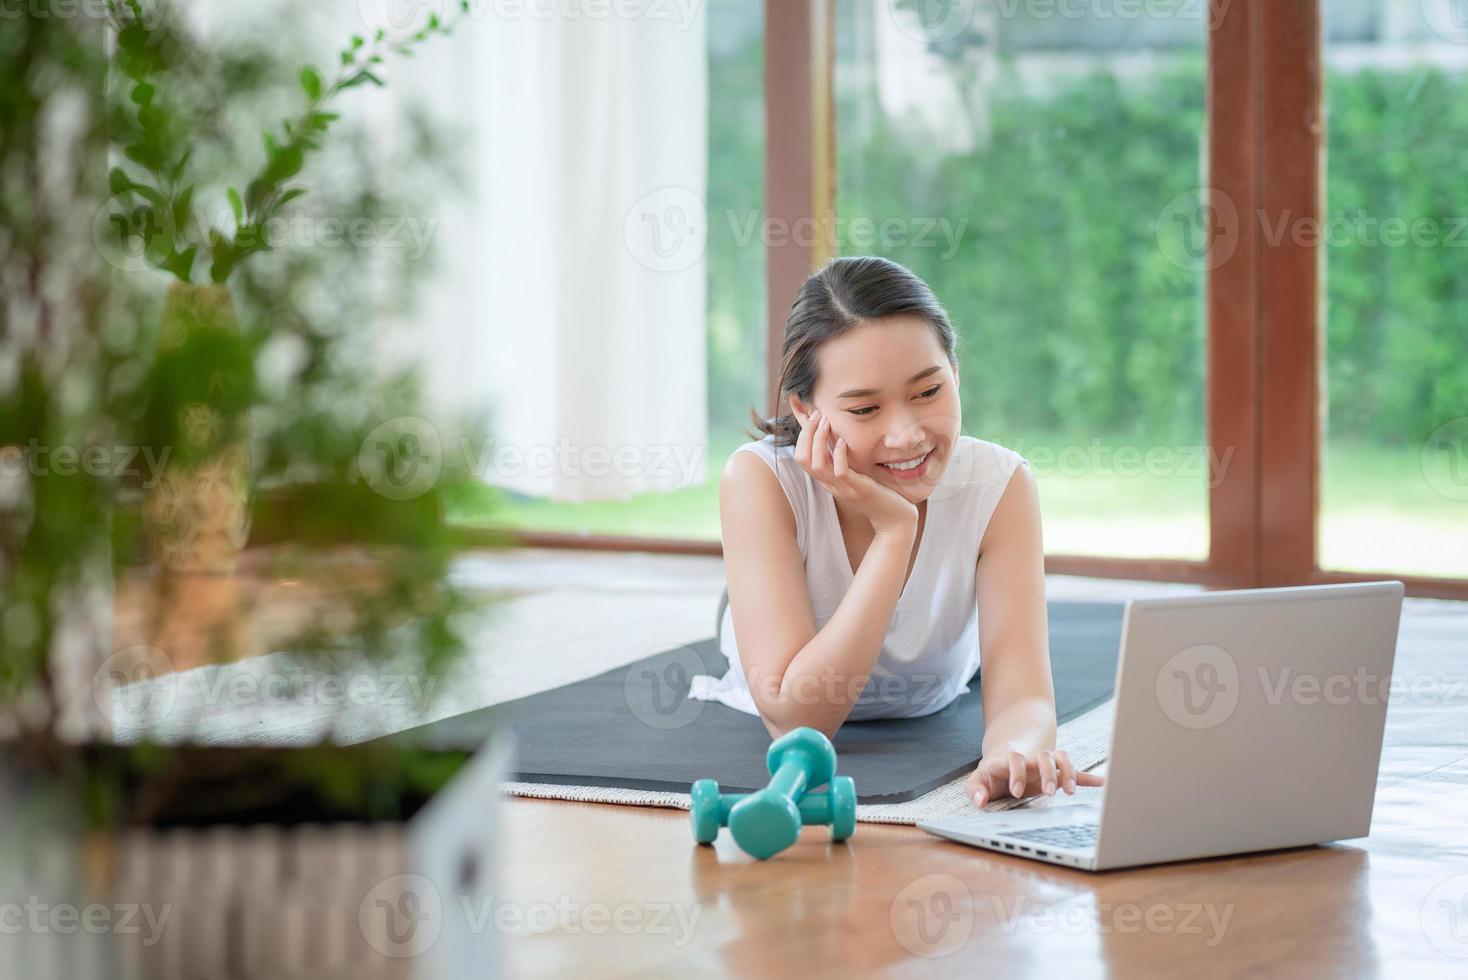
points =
(269, 900)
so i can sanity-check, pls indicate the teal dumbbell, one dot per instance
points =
(835, 807)
(767, 821)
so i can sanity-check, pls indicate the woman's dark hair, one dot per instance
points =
(844, 293)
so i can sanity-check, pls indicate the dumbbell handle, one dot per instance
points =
(790, 779)
(815, 808)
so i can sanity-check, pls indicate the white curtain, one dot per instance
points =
(568, 301)
(571, 297)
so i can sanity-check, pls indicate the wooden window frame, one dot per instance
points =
(1265, 143)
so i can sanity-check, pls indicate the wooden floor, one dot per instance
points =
(596, 890)
(611, 891)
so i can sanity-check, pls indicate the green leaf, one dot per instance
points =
(118, 181)
(311, 82)
(178, 168)
(290, 196)
(356, 41)
(362, 76)
(143, 94)
(151, 118)
(153, 196)
(181, 264)
(181, 207)
(124, 227)
(142, 154)
(236, 205)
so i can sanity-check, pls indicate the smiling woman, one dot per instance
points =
(864, 535)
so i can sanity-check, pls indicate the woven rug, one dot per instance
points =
(1085, 738)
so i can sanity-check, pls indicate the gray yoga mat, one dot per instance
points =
(636, 727)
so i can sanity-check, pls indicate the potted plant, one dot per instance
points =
(91, 374)
(197, 514)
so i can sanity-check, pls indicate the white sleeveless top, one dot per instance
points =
(932, 644)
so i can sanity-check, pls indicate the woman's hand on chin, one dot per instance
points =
(1020, 774)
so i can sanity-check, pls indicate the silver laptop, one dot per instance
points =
(1244, 721)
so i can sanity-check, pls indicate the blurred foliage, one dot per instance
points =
(83, 367)
(1073, 320)
(155, 199)
(736, 198)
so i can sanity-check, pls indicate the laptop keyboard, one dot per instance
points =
(1080, 835)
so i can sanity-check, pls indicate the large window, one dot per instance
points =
(1394, 237)
(735, 322)
(1039, 166)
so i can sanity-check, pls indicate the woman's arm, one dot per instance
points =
(1019, 755)
(797, 675)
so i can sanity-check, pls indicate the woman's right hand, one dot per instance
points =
(888, 511)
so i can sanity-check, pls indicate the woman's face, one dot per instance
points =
(890, 392)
